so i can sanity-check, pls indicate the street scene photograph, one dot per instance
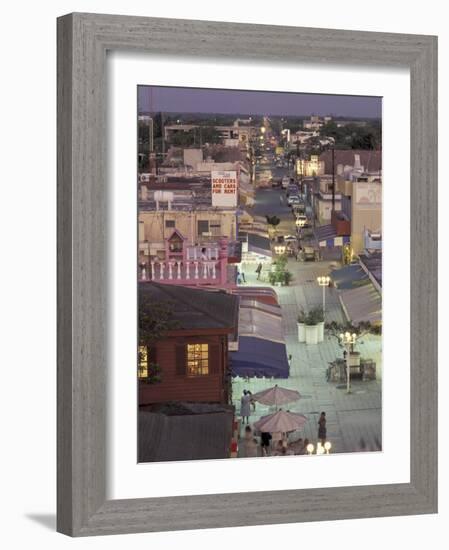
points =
(259, 274)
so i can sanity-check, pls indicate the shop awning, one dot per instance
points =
(261, 321)
(257, 357)
(326, 236)
(362, 304)
(349, 277)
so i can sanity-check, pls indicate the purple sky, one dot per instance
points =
(203, 100)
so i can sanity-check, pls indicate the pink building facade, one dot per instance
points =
(186, 264)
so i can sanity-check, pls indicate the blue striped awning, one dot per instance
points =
(349, 276)
(256, 358)
(327, 237)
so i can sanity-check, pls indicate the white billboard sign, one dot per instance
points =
(224, 188)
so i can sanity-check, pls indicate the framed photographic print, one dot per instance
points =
(247, 278)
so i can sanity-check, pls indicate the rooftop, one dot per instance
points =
(194, 308)
(370, 160)
(373, 263)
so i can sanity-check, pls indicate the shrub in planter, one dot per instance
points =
(315, 319)
(279, 275)
(301, 326)
(315, 316)
(287, 276)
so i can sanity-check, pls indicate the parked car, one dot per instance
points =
(304, 222)
(290, 238)
(298, 209)
(309, 253)
(293, 200)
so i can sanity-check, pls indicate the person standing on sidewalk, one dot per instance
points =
(259, 270)
(322, 431)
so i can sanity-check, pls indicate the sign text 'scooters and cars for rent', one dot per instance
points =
(224, 188)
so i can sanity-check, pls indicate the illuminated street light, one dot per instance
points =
(348, 340)
(263, 129)
(300, 223)
(279, 249)
(320, 449)
(324, 282)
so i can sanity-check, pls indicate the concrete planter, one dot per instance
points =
(301, 332)
(314, 333)
(320, 331)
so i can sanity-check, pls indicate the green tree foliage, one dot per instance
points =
(353, 136)
(183, 139)
(209, 134)
(155, 319)
(274, 221)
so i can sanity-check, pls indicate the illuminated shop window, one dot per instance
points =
(143, 362)
(197, 359)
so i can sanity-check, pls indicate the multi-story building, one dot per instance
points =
(240, 133)
(312, 167)
(314, 123)
(181, 263)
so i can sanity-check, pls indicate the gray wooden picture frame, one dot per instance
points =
(83, 41)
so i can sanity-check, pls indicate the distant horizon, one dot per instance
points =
(168, 99)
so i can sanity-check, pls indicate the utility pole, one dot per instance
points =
(333, 179)
(163, 136)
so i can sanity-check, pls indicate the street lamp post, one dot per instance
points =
(348, 341)
(324, 282)
(279, 249)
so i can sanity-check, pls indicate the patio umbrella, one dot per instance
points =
(281, 421)
(276, 396)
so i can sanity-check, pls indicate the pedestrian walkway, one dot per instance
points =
(353, 420)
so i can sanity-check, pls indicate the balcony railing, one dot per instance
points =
(183, 272)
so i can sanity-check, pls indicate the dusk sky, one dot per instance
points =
(203, 100)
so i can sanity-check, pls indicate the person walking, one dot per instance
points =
(265, 443)
(251, 400)
(259, 270)
(245, 407)
(322, 431)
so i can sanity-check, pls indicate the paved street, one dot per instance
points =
(353, 420)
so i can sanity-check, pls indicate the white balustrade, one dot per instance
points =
(179, 270)
(196, 269)
(152, 270)
(144, 274)
(161, 271)
(170, 270)
(205, 270)
(214, 272)
(187, 270)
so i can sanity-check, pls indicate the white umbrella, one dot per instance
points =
(281, 421)
(276, 396)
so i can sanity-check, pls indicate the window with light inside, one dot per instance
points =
(197, 359)
(143, 362)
